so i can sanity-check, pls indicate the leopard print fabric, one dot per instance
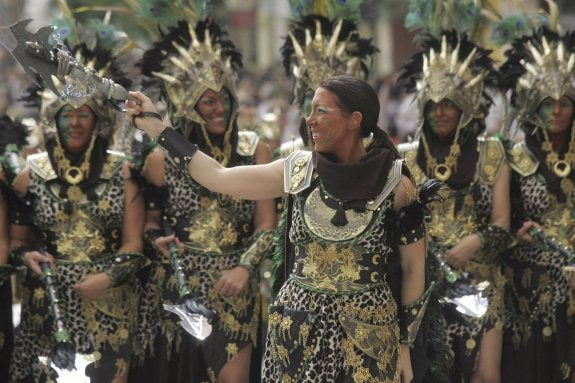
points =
(316, 336)
(103, 328)
(457, 213)
(540, 306)
(214, 230)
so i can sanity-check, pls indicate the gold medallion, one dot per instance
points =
(562, 168)
(442, 172)
(73, 175)
(74, 193)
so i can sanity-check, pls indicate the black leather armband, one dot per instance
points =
(124, 265)
(17, 254)
(495, 239)
(260, 246)
(411, 315)
(179, 150)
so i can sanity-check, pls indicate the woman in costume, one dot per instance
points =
(81, 213)
(13, 135)
(224, 238)
(353, 216)
(540, 301)
(336, 48)
(469, 221)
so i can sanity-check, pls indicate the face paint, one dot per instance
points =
(75, 127)
(306, 106)
(216, 110)
(442, 117)
(557, 115)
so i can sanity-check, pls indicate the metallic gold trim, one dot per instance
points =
(247, 143)
(298, 172)
(491, 159)
(522, 160)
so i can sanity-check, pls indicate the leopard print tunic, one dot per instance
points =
(81, 242)
(454, 215)
(325, 335)
(540, 306)
(214, 230)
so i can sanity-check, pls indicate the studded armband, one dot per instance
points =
(150, 236)
(411, 315)
(155, 197)
(17, 254)
(124, 265)
(179, 150)
(260, 246)
(494, 239)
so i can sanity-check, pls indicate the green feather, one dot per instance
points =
(433, 17)
(516, 26)
(345, 9)
(332, 9)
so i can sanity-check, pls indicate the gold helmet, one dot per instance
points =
(537, 67)
(453, 68)
(186, 62)
(317, 48)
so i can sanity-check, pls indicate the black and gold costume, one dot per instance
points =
(336, 316)
(215, 230)
(450, 68)
(83, 237)
(540, 305)
(461, 210)
(13, 137)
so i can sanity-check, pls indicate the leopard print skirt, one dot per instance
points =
(316, 337)
(102, 329)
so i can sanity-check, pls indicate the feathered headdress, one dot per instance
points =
(537, 67)
(454, 68)
(318, 46)
(186, 62)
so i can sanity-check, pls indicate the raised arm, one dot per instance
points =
(254, 182)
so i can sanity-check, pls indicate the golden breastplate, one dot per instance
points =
(79, 238)
(336, 268)
(212, 229)
(317, 216)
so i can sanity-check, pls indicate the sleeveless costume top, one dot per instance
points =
(337, 314)
(83, 241)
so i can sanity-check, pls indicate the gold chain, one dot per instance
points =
(442, 172)
(73, 174)
(222, 156)
(561, 168)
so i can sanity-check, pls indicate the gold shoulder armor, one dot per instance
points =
(298, 171)
(114, 162)
(40, 164)
(247, 143)
(392, 180)
(491, 157)
(522, 160)
(408, 150)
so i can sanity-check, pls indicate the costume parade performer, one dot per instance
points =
(451, 76)
(224, 238)
(323, 40)
(13, 137)
(540, 300)
(335, 317)
(81, 213)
